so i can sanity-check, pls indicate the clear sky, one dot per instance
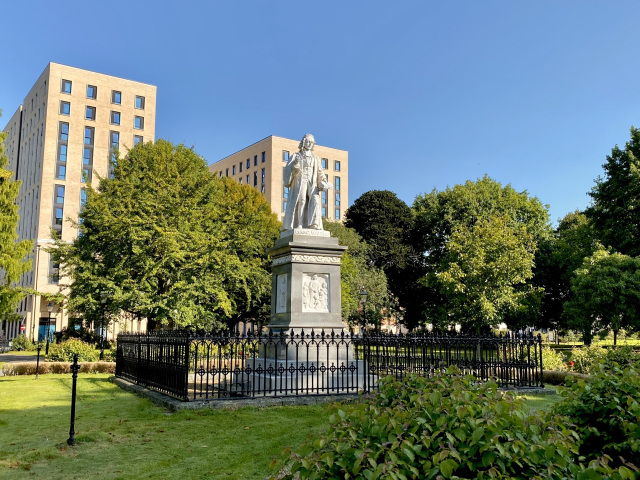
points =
(423, 94)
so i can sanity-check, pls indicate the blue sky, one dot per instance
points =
(422, 94)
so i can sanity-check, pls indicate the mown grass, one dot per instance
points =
(542, 402)
(123, 436)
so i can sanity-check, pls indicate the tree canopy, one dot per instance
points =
(170, 242)
(13, 253)
(605, 294)
(615, 207)
(505, 217)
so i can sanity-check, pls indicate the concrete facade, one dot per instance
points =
(69, 124)
(270, 154)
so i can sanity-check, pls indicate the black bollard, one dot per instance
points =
(74, 368)
(38, 360)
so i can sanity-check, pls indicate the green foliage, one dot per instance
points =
(487, 263)
(587, 358)
(623, 357)
(606, 412)
(64, 351)
(13, 254)
(356, 273)
(22, 344)
(448, 426)
(440, 215)
(170, 242)
(605, 294)
(552, 360)
(614, 209)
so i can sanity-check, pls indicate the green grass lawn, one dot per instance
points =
(542, 402)
(121, 435)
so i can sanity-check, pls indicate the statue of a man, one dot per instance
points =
(306, 179)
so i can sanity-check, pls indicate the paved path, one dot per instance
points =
(8, 358)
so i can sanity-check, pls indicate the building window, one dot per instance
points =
(337, 199)
(220, 174)
(324, 203)
(139, 102)
(66, 87)
(138, 123)
(337, 214)
(116, 97)
(263, 175)
(233, 170)
(284, 206)
(137, 139)
(240, 180)
(92, 92)
(88, 135)
(248, 183)
(61, 162)
(90, 113)
(58, 207)
(248, 163)
(115, 118)
(255, 179)
(325, 163)
(227, 172)
(54, 272)
(285, 156)
(262, 189)
(83, 197)
(337, 183)
(65, 108)
(87, 154)
(264, 157)
(324, 212)
(255, 160)
(337, 165)
(114, 144)
(240, 165)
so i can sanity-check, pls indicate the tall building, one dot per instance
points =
(59, 139)
(261, 166)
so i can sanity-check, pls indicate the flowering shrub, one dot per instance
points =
(448, 426)
(587, 359)
(552, 360)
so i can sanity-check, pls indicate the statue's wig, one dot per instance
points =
(308, 135)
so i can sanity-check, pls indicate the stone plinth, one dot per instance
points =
(306, 282)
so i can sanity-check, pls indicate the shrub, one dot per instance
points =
(554, 377)
(22, 344)
(30, 368)
(586, 359)
(552, 360)
(446, 426)
(63, 352)
(622, 356)
(606, 412)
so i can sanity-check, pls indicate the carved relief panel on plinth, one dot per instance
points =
(315, 292)
(281, 293)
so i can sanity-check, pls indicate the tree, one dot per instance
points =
(170, 242)
(439, 214)
(13, 253)
(486, 263)
(605, 295)
(385, 223)
(615, 199)
(357, 273)
(557, 259)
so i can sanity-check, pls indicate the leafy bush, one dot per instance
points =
(552, 360)
(22, 344)
(447, 426)
(606, 412)
(46, 367)
(587, 359)
(622, 356)
(554, 377)
(63, 352)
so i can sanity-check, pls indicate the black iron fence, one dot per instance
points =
(209, 367)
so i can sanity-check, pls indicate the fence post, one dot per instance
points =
(74, 368)
(139, 365)
(186, 365)
(541, 366)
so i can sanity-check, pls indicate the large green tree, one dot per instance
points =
(385, 223)
(358, 273)
(171, 242)
(615, 207)
(13, 253)
(605, 295)
(440, 214)
(486, 271)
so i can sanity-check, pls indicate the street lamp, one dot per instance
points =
(103, 301)
(363, 297)
(49, 309)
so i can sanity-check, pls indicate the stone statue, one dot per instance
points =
(306, 179)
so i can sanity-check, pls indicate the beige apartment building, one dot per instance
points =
(59, 140)
(261, 166)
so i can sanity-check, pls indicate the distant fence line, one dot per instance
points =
(277, 364)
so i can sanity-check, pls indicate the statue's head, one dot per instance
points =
(307, 142)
